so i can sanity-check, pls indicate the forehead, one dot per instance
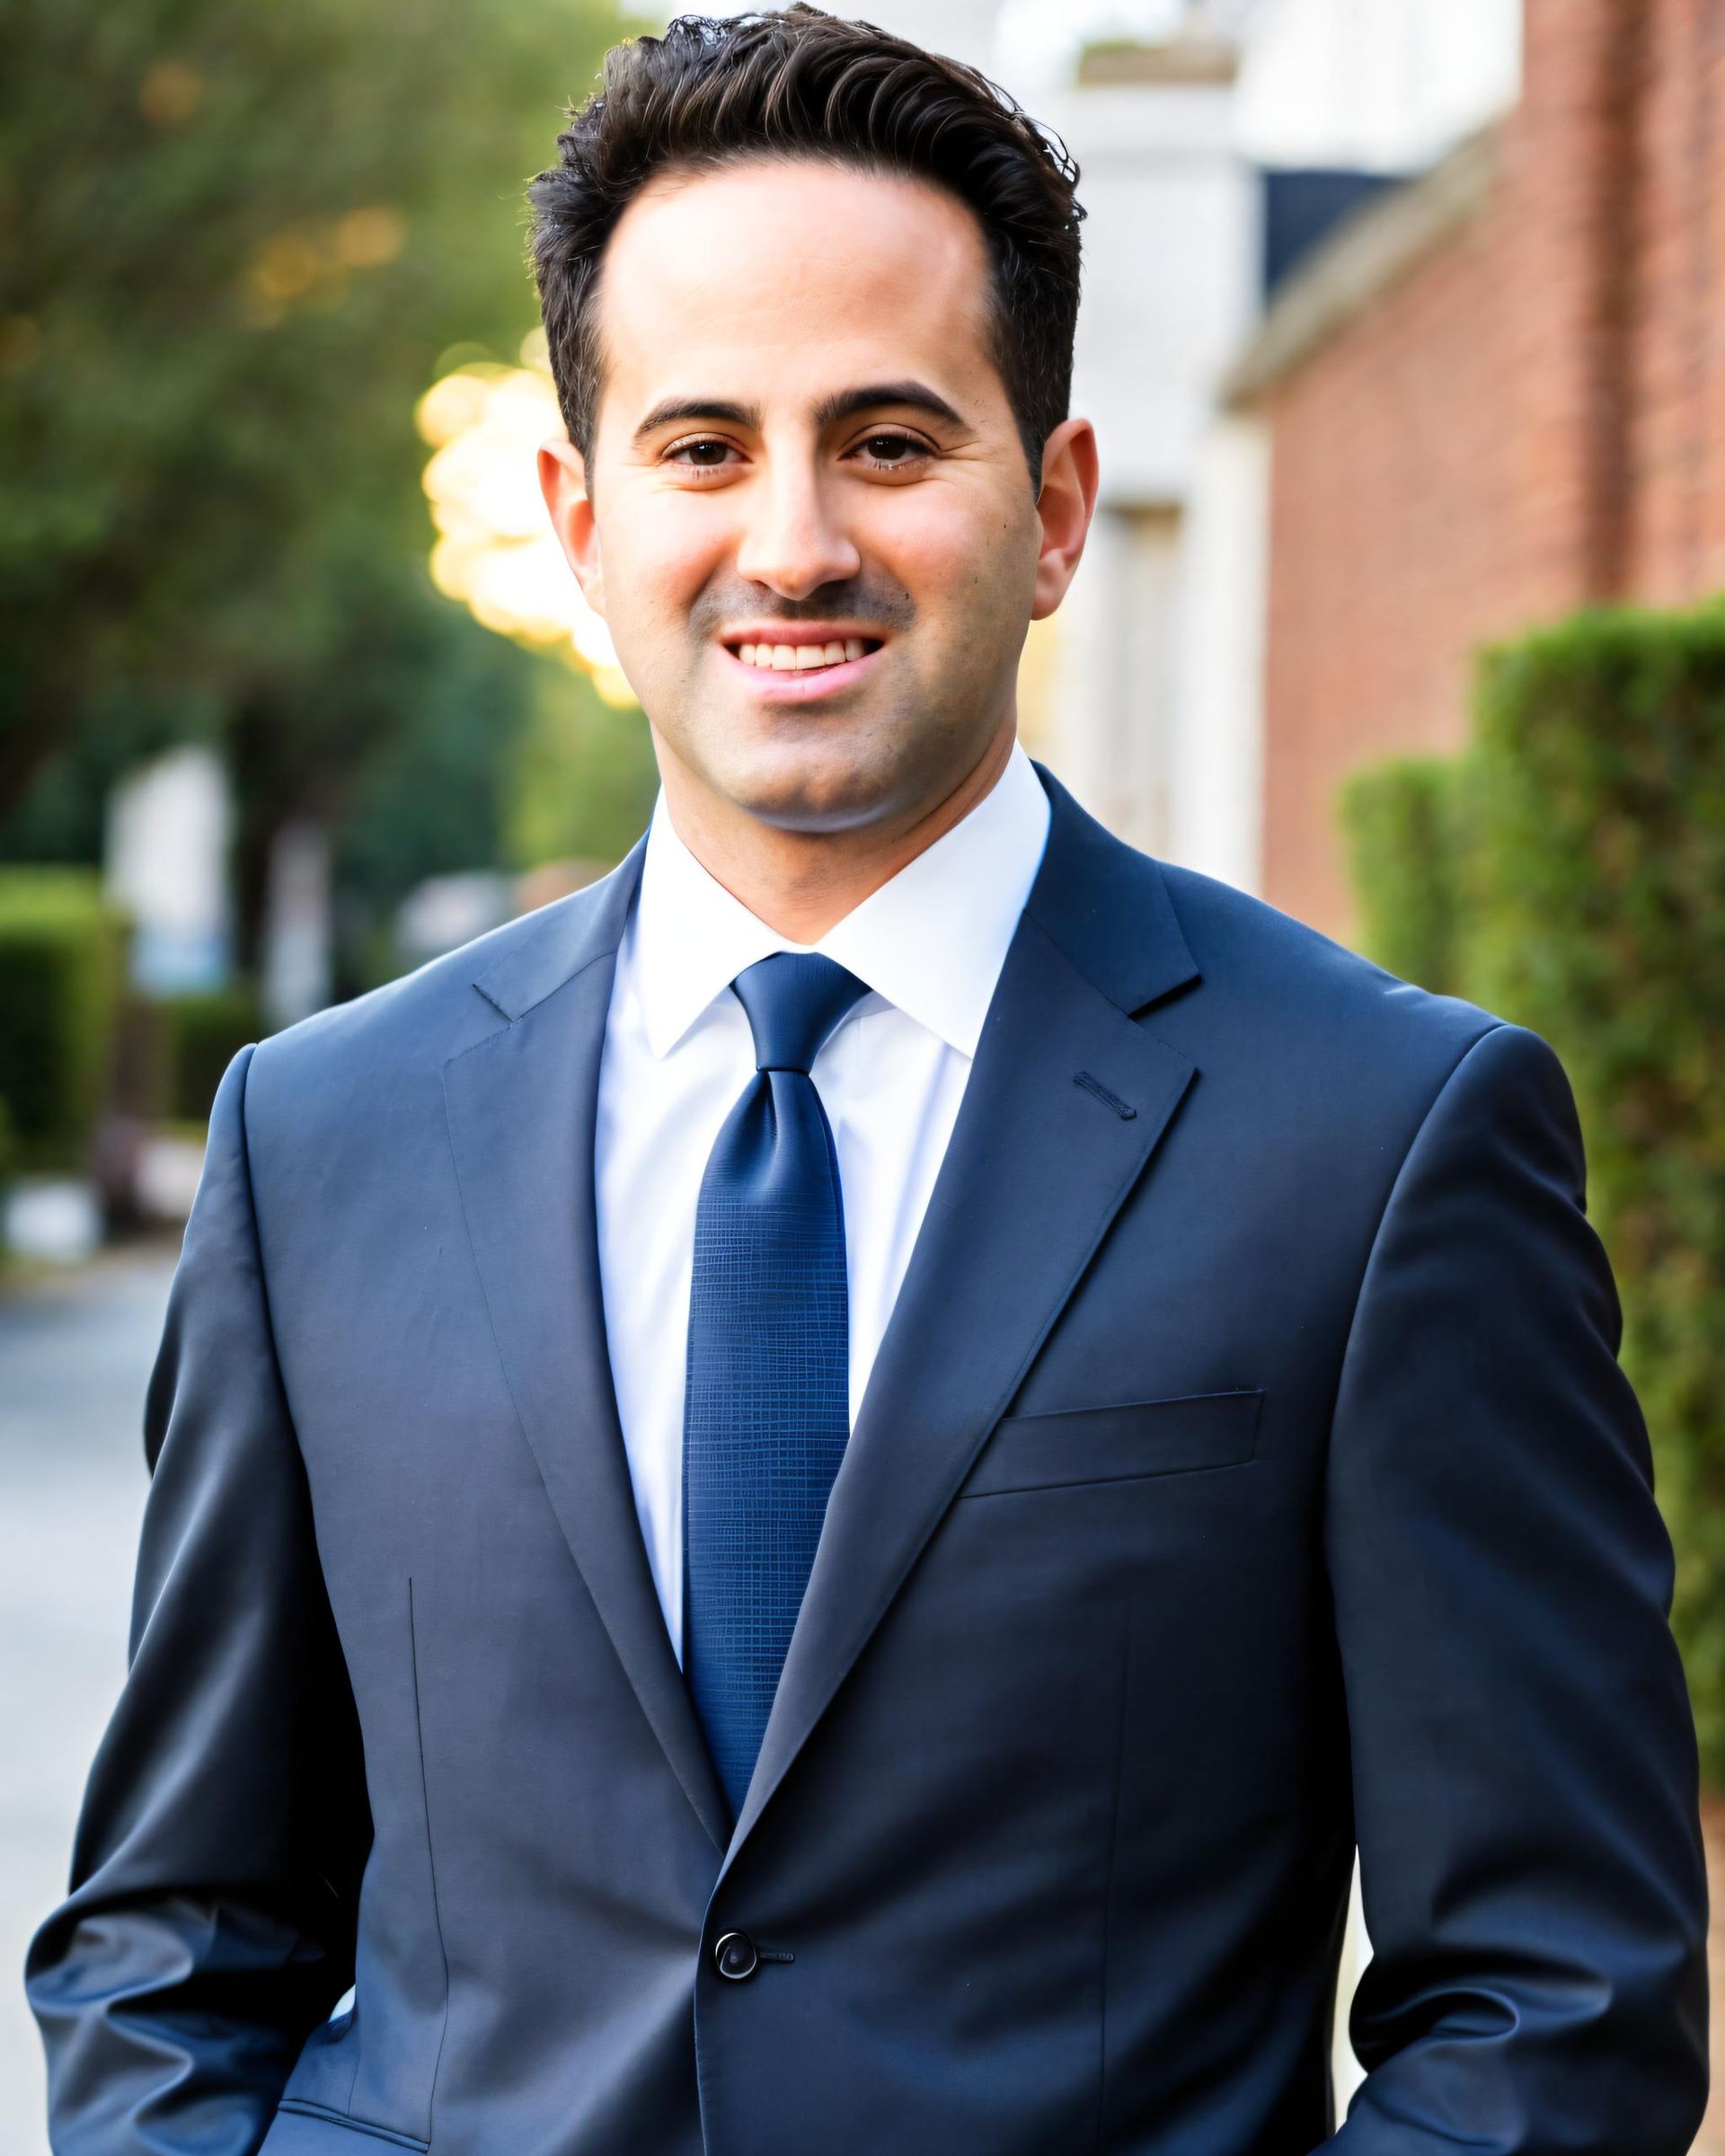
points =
(771, 277)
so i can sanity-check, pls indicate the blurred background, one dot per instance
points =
(1402, 334)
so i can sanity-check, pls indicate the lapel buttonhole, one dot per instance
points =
(1122, 1108)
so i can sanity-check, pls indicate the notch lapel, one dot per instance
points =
(1066, 1103)
(521, 1106)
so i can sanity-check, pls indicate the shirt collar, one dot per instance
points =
(931, 941)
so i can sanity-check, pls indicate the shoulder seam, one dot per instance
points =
(257, 1243)
(1450, 1076)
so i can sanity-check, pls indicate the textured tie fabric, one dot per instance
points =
(766, 1408)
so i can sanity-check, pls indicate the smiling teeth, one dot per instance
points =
(798, 659)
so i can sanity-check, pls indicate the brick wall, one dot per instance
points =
(1394, 488)
(1528, 417)
(1676, 544)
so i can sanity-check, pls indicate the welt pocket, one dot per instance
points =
(299, 2107)
(1120, 1442)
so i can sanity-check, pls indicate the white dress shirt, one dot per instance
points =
(678, 1053)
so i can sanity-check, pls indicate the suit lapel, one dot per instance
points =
(1065, 1105)
(521, 1106)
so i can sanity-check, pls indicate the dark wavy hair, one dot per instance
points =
(806, 84)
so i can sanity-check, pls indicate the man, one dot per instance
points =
(804, 1503)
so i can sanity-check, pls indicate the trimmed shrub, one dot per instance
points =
(1400, 823)
(203, 1034)
(1601, 864)
(62, 950)
(1587, 884)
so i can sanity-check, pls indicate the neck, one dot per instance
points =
(802, 883)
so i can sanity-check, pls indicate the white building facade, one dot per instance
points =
(1145, 691)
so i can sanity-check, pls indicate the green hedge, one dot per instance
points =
(62, 950)
(1586, 885)
(203, 1033)
(1405, 851)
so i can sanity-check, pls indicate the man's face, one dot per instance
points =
(807, 519)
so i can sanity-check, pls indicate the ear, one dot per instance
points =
(562, 481)
(1070, 479)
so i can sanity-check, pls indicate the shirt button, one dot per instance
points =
(735, 1957)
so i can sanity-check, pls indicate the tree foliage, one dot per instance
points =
(584, 777)
(235, 243)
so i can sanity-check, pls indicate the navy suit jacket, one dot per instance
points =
(1246, 1471)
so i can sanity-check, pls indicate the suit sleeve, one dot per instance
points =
(1524, 1758)
(210, 1917)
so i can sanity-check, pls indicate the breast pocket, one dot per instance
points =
(1122, 1442)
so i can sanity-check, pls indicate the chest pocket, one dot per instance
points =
(1118, 1443)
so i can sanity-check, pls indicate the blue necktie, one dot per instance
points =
(766, 1408)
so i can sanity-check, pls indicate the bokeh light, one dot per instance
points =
(495, 550)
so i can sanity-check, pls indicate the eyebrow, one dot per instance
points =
(844, 404)
(672, 410)
(850, 403)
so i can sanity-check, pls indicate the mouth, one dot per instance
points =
(801, 661)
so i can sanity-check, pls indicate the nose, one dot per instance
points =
(790, 542)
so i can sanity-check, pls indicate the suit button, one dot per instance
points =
(735, 1957)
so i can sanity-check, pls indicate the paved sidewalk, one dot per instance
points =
(75, 1357)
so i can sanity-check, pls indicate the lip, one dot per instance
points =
(774, 687)
(799, 632)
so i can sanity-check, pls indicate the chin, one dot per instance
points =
(813, 786)
(812, 802)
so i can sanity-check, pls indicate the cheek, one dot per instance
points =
(955, 554)
(660, 552)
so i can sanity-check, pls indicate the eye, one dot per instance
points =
(699, 452)
(891, 452)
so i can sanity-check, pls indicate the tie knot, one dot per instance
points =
(793, 1000)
